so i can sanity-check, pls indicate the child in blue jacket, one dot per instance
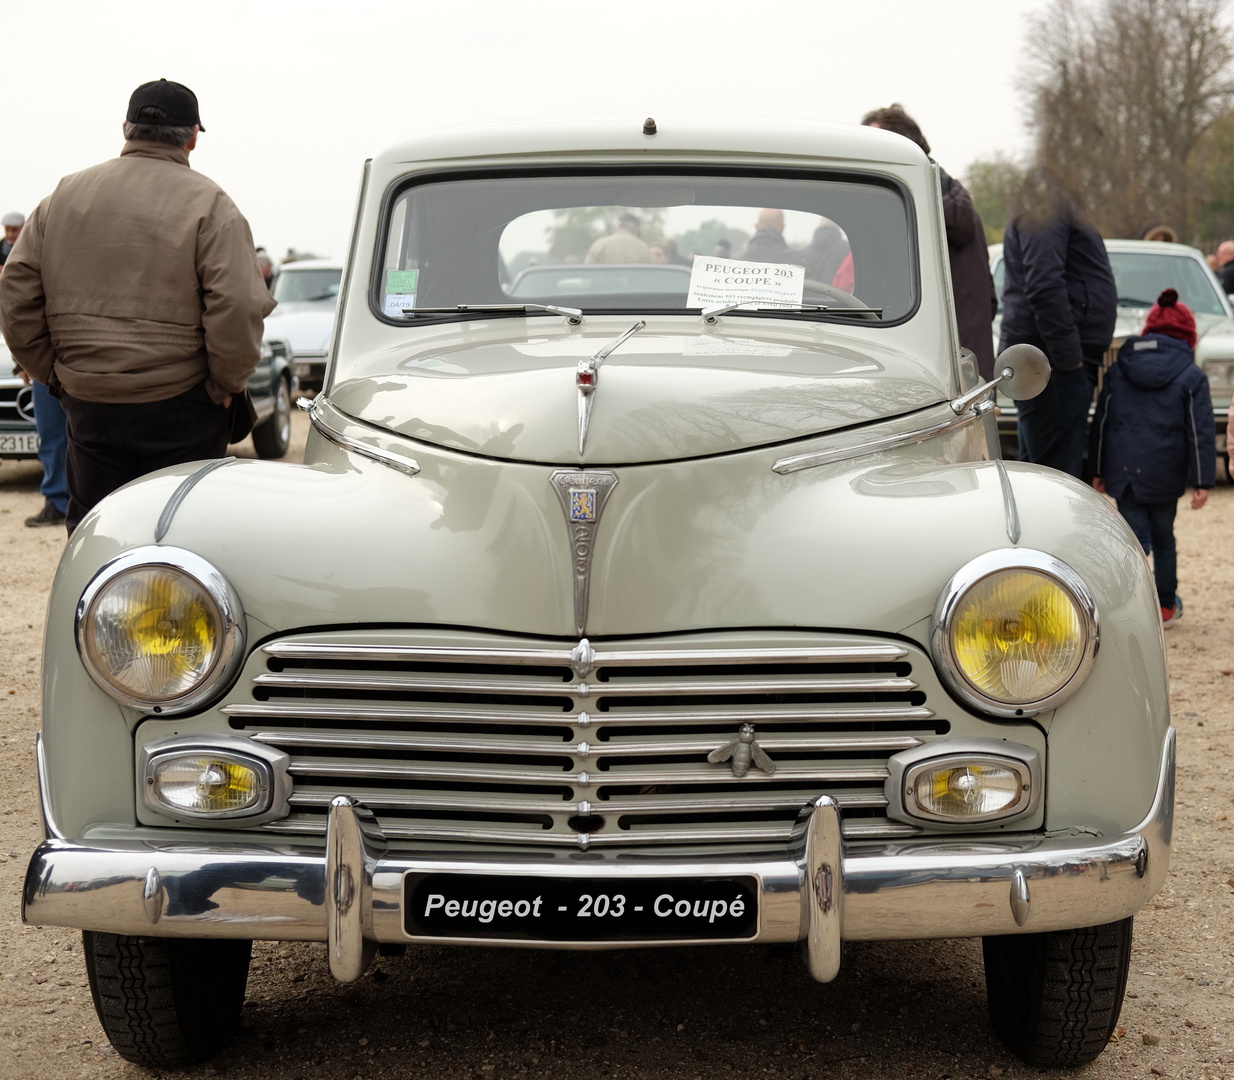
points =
(1153, 434)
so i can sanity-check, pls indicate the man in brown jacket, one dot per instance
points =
(133, 293)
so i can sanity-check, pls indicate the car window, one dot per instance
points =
(297, 286)
(1141, 275)
(627, 242)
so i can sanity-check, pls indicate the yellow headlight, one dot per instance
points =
(1015, 632)
(159, 632)
(1017, 636)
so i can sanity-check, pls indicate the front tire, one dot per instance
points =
(1054, 998)
(272, 437)
(166, 1001)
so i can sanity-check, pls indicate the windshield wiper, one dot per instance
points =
(1134, 301)
(573, 315)
(711, 314)
(323, 296)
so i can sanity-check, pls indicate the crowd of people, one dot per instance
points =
(140, 343)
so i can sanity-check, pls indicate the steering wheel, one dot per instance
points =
(818, 290)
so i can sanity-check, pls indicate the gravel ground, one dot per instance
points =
(909, 1009)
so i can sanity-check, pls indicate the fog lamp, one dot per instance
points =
(1015, 639)
(963, 782)
(205, 784)
(974, 790)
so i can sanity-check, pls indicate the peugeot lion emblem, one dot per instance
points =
(744, 752)
(583, 493)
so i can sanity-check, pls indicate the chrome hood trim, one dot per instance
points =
(360, 438)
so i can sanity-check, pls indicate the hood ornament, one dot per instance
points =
(744, 752)
(583, 493)
(587, 378)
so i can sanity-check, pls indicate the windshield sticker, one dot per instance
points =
(715, 281)
(713, 346)
(400, 291)
(396, 302)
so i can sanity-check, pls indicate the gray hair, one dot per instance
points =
(161, 133)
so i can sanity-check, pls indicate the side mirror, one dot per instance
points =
(1022, 371)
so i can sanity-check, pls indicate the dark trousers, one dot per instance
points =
(1053, 426)
(111, 444)
(1153, 525)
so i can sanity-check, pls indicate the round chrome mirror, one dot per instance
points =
(1029, 371)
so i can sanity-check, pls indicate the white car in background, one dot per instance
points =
(307, 292)
(1142, 268)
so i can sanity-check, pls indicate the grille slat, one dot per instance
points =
(478, 741)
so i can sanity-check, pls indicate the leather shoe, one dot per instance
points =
(49, 515)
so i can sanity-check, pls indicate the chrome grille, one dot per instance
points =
(585, 747)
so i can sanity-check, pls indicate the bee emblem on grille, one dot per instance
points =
(743, 752)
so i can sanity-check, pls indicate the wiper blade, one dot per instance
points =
(1134, 301)
(573, 315)
(323, 296)
(711, 314)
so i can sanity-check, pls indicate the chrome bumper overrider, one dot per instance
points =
(818, 890)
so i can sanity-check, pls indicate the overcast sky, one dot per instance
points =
(295, 96)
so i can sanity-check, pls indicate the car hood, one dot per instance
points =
(304, 327)
(667, 394)
(1130, 323)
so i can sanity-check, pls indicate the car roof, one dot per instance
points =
(674, 137)
(1149, 246)
(310, 264)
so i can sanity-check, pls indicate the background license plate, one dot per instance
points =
(579, 909)
(25, 443)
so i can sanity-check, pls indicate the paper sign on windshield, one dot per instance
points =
(716, 281)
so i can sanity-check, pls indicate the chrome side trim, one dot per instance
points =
(873, 446)
(926, 888)
(51, 831)
(181, 493)
(1010, 511)
(973, 572)
(360, 438)
(308, 650)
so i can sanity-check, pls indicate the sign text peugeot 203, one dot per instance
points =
(675, 594)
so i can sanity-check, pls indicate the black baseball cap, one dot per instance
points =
(164, 104)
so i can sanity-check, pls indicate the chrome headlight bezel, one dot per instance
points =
(230, 652)
(972, 574)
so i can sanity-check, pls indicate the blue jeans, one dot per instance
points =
(1053, 426)
(1153, 525)
(53, 447)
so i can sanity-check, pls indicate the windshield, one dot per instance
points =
(297, 286)
(663, 242)
(1141, 276)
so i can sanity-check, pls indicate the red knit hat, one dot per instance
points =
(1167, 316)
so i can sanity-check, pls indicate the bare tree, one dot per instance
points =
(1121, 93)
(994, 183)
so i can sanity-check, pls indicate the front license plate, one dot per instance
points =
(19, 444)
(530, 908)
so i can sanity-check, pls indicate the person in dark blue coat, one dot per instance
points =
(1153, 434)
(1058, 294)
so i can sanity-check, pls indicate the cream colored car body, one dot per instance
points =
(423, 516)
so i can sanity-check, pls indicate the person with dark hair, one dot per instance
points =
(623, 244)
(971, 284)
(825, 252)
(1152, 434)
(1059, 295)
(133, 294)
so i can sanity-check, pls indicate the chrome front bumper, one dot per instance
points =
(817, 890)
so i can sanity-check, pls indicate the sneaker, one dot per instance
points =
(1171, 615)
(49, 515)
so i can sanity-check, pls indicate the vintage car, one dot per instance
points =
(18, 437)
(638, 622)
(1142, 269)
(307, 293)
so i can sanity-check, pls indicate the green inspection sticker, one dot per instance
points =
(401, 281)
